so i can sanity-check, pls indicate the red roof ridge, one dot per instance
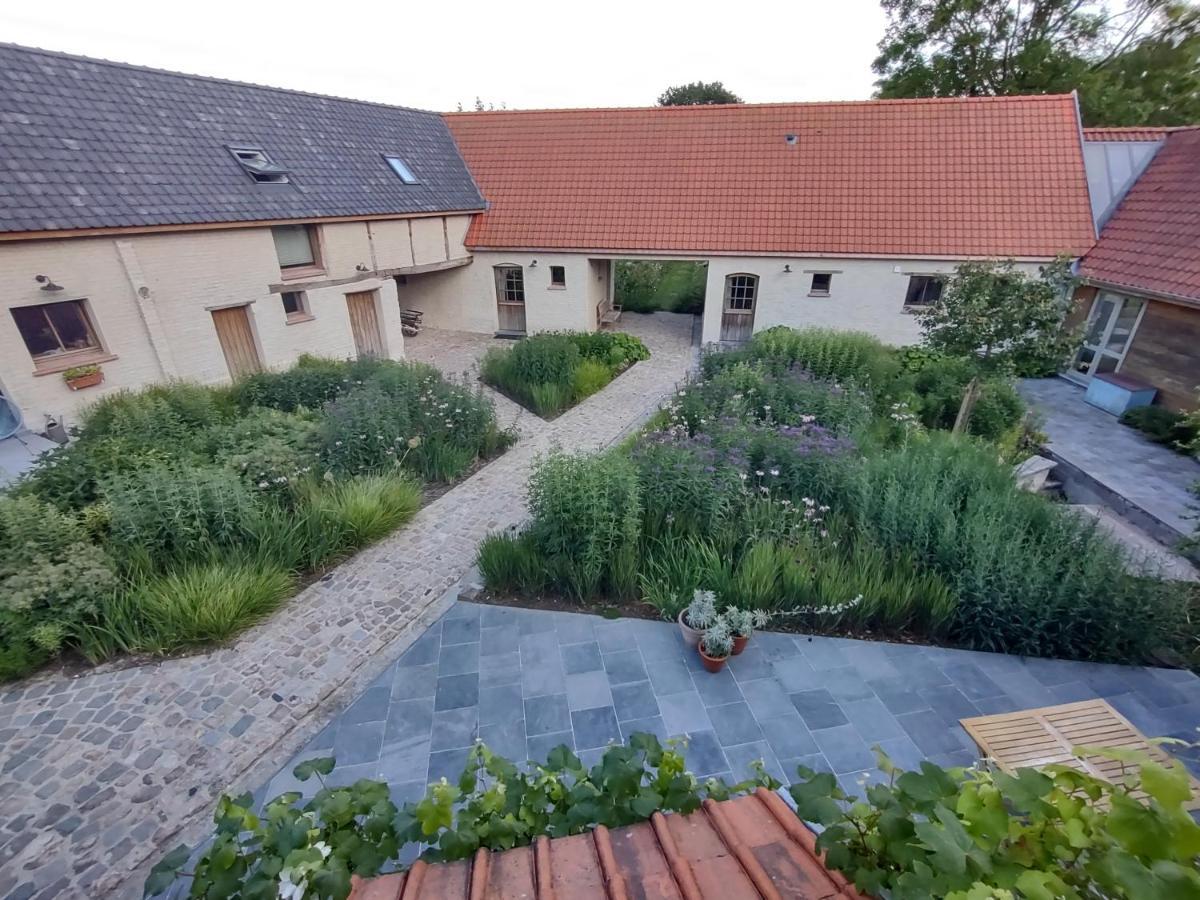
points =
(772, 104)
(748, 847)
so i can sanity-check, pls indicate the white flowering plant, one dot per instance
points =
(290, 851)
(702, 611)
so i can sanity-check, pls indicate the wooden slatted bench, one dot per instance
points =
(1048, 734)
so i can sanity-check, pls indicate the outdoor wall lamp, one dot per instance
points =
(787, 267)
(533, 264)
(47, 283)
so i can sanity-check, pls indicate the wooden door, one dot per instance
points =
(237, 340)
(737, 310)
(510, 299)
(364, 323)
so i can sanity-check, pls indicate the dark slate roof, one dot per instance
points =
(88, 143)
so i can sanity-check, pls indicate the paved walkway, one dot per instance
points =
(1151, 477)
(103, 772)
(525, 681)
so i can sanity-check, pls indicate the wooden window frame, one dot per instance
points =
(909, 306)
(506, 288)
(60, 361)
(744, 291)
(303, 313)
(305, 270)
(814, 291)
(561, 284)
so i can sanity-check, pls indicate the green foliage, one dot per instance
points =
(365, 431)
(310, 384)
(1024, 570)
(644, 286)
(966, 833)
(1163, 426)
(938, 387)
(51, 579)
(510, 563)
(270, 450)
(291, 850)
(697, 93)
(830, 354)
(366, 508)
(584, 510)
(549, 372)
(1135, 66)
(161, 514)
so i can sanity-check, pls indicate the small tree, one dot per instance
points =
(997, 317)
(698, 93)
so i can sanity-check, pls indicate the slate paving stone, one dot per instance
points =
(492, 616)
(845, 684)
(579, 658)
(538, 746)
(634, 700)
(506, 738)
(917, 671)
(767, 699)
(355, 744)
(929, 732)
(448, 764)
(371, 706)
(717, 688)
(815, 761)
(547, 714)
(344, 776)
(794, 674)
(654, 725)
(903, 752)
(572, 628)
(818, 709)
(670, 676)
(624, 666)
(788, 736)
(541, 675)
(594, 727)
(414, 682)
(741, 756)
(1153, 690)
(704, 755)
(751, 665)
(660, 644)
(498, 639)
(460, 631)
(402, 760)
(971, 681)
(455, 691)
(588, 690)
(734, 723)
(500, 703)
(615, 635)
(408, 720)
(949, 703)
(454, 728)
(872, 720)
(501, 668)
(845, 749)
(870, 661)
(458, 659)
(822, 653)
(776, 645)
(424, 650)
(897, 697)
(684, 712)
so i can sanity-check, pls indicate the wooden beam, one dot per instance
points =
(424, 268)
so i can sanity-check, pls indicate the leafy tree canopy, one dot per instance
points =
(698, 93)
(1133, 64)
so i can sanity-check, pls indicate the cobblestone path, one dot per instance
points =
(100, 773)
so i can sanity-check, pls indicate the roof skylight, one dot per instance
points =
(259, 166)
(400, 167)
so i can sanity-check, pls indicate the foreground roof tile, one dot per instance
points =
(742, 849)
(997, 176)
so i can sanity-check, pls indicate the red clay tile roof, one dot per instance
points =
(997, 176)
(1126, 134)
(743, 849)
(1152, 241)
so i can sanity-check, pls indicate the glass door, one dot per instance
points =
(1110, 327)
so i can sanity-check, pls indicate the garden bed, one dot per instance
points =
(798, 477)
(181, 514)
(548, 373)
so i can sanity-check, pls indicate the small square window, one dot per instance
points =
(295, 306)
(558, 276)
(259, 166)
(821, 282)
(400, 167)
(56, 329)
(923, 291)
(296, 246)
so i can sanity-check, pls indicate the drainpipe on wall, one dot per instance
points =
(147, 310)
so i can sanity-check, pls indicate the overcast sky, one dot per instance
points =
(439, 53)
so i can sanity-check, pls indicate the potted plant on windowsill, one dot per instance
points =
(742, 624)
(80, 377)
(697, 616)
(716, 646)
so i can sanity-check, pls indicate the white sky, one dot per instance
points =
(524, 53)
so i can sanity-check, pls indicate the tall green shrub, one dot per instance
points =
(584, 510)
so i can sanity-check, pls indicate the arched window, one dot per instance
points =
(741, 289)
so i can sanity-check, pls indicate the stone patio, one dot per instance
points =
(524, 681)
(104, 771)
(1156, 481)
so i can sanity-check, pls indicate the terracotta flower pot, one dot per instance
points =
(739, 644)
(712, 663)
(85, 381)
(691, 636)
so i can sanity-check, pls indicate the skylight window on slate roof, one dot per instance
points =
(259, 166)
(400, 167)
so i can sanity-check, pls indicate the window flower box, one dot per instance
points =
(80, 377)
